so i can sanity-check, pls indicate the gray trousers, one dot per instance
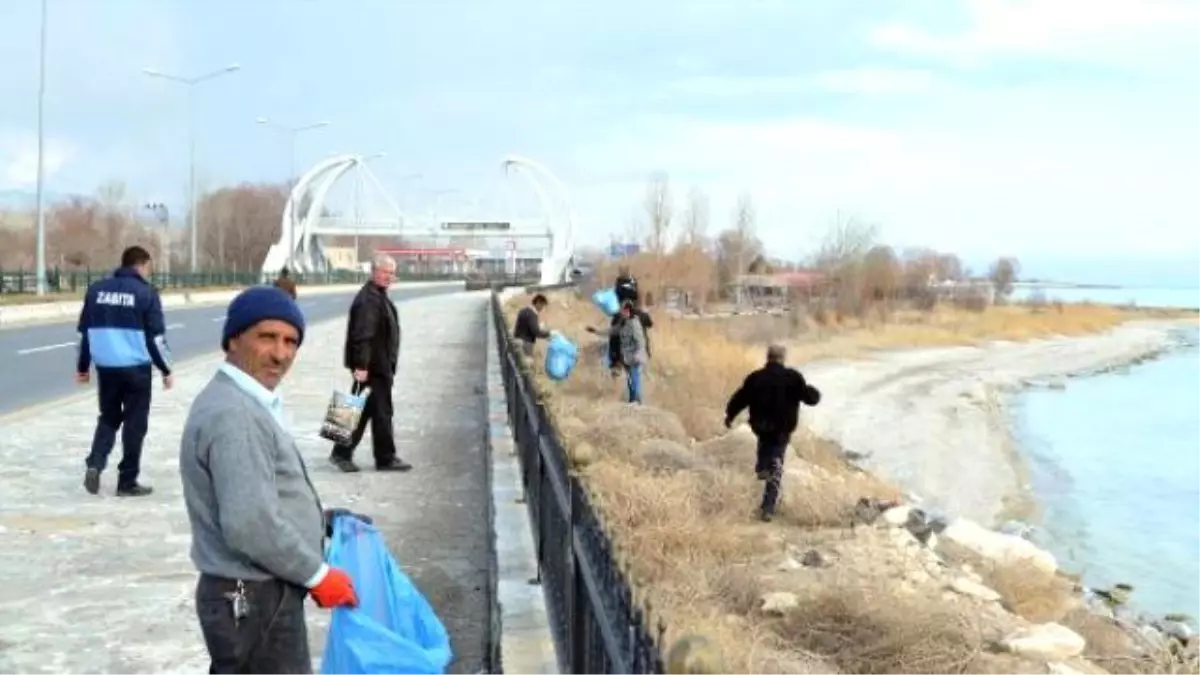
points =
(272, 638)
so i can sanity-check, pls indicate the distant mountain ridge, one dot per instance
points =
(26, 200)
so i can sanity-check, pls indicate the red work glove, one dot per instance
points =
(335, 590)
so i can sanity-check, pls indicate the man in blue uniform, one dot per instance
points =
(122, 332)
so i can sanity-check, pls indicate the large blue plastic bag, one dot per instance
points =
(561, 355)
(393, 629)
(606, 300)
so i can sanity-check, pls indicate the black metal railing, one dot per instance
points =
(597, 626)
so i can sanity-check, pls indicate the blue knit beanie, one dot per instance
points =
(260, 303)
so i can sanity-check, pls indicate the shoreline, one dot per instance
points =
(937, 422)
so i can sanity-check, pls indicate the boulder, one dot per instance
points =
(1004, 549)
(974, 589)
(1045, 642)
(779, 603)
(897, 516)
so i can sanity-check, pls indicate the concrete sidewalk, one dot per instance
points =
(97, 584)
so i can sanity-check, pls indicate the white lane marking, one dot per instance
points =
(219, 318)
(44, 348)
(63, 345)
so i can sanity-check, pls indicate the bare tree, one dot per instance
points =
(658, 212)
(738, 246)
(696, 218)
(239, 224)
(1003, 274)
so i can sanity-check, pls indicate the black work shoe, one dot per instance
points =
(344, 465)
(135, 491)
(394, 464)
(91, 481)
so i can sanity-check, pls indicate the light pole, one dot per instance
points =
(292, 132)
(190, 83)
(41, 209)
(164, 219)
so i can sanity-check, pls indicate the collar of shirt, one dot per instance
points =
(270, 400)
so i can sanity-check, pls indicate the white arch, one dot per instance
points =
(303, 253)
(556, 266)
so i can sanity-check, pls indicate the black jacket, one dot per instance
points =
(773, 394)
(373, 334)
(528, 326)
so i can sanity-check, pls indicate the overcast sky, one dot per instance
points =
(1047, 129)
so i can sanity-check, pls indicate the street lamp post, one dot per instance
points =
(190, 83)
(41, 208)
(164, 219)
(292, 132)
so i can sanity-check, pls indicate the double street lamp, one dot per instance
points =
(190, 83)
(292, 132)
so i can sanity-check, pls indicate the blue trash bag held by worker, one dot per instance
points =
(393, 629)
(606, 301)
(561, 355)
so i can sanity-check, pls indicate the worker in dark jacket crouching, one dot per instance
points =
(773, 394)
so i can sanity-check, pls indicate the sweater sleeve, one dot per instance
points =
(243, 478)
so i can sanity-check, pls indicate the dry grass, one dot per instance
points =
(678, 495)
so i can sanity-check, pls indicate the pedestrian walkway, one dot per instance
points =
(101, 584)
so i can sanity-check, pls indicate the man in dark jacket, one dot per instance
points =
(773, 394)
(285, 282)
(372, 352)
(122, 332)
(528, 327)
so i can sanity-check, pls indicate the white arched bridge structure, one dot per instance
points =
(308, 223)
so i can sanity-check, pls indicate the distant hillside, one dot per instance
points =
(26, 200)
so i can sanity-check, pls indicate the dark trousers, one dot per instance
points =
(125, 406)
(378, 411)
(771, 453)
(271, 638)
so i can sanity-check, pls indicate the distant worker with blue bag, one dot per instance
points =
(632, 355)
(257, 524)
(528, 327)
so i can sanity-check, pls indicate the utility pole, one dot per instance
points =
(190, 83)
(41, 158)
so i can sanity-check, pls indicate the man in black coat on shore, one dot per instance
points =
(773, 394)
(372, 352)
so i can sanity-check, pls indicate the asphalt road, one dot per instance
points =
(37, 363)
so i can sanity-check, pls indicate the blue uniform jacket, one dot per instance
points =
(121, 324)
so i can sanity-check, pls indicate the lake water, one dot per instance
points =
(1115, 462)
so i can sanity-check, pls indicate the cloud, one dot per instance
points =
(1105, 31)
(877, 81)
(18, 154)
(862, 81)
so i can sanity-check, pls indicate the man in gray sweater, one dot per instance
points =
(257, 524)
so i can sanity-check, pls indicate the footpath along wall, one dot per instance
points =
(50, 311)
